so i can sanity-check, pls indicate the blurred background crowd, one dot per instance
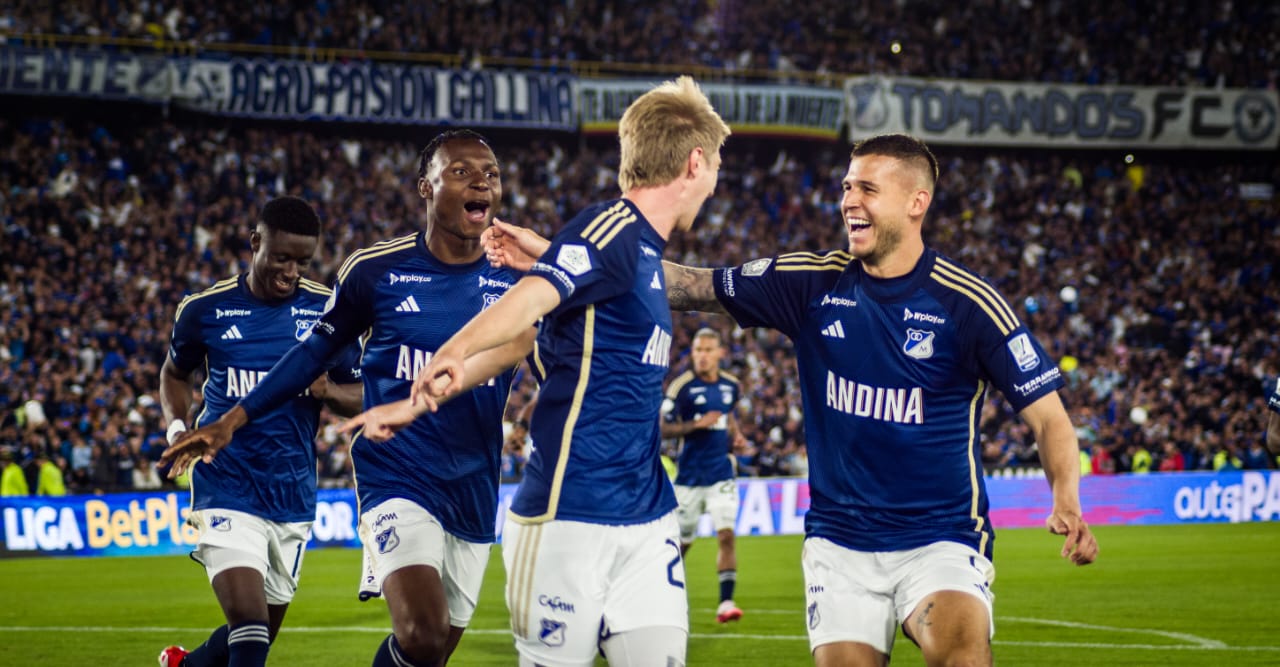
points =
(1151, 277)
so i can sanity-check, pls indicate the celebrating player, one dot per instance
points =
(256, 503)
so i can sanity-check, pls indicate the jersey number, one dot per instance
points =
(673, 566)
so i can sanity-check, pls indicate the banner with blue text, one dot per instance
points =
(1063, 116)
(138, 524)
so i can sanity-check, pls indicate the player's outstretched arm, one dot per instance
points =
(203, 443)
(1060, 457)
(690, 288)
(511, 246)
(344, 399)
(1273, 433)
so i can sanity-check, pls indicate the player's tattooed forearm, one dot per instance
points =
(691, 289)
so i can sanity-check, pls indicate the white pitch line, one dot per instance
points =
(1198, 641)
(504, 631)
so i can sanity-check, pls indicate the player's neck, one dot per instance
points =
(708, 376)
(660, 205)
(898, 263)
(451, 248)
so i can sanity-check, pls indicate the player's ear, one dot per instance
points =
(424, 189)
(255, 241)
(919, 203)
(695, 163)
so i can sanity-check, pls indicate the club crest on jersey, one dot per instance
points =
(552, 632)
(387, 540)
(1024, 353)
(219, 522)
(489, 300)
(303, 329)
(756, 267)
(919, 344)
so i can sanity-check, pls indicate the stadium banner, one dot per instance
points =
(138, 524)
(98, 74)
(374, 92)
(757, 110)
(1062, 116)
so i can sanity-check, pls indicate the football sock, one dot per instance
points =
(390, 655)
(212, 653)
(727, 579)
(248, 644)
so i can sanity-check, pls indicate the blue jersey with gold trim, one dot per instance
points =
(406, 304)
(894, 373)
(603, 352)
(237, 338)
(704, 454)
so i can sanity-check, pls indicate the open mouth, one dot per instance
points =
(857, 224)
(476, 211)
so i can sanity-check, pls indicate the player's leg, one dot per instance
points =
(464, 566)
(555, 584)
(689, 510)
(946, 603)
(848, 606)
(286, 547)
(234, 548)
(722, 504)
(406, 548)
(645, 599)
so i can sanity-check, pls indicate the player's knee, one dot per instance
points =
(424, 640)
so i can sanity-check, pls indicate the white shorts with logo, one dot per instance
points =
(863, 596)
(570, 584)
(720, 500)
(237, 539)
(398, 533)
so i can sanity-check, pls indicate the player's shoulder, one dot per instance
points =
(376, 255)
(313, 289)
(730, 378)
(966, 293)
(832, 261)
(678, 383)
(208, 297)
(599, 224)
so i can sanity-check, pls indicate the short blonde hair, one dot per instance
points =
(661, 128)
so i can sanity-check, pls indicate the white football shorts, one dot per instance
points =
(572, 584)
(863, 596)
(720, 500)
(236, 539)
(398, 533)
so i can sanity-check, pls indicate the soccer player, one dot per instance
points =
(428, 496)
(699, 411)
(1273, 423)
(591, 542)
(254, 505)
(896, 346)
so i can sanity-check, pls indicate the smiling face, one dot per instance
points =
(883, 205)
(280, 259)
(464, 187)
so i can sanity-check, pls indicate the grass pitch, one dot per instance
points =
(1159, 595)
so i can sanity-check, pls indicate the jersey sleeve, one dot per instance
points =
(758, 294)
(586, 268)
(1016, 363)
(186, 343)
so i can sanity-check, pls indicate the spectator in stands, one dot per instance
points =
(50, 475)
(13, 482)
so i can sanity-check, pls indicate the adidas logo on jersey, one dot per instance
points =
(834, 330)
(657, 282)
(232, 334)
(409, 305)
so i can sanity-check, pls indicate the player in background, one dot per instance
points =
(1273, 423)
(255, 505)
(896, 347)
(591, 542)
(699, 411)
(428, 496)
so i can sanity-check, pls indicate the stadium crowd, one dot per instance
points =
(1152, 282)
(1140, 42)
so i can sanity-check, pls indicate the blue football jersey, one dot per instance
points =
(405, 303)
(705, 458)
(894, 373)
(603, 353)
(237, 338)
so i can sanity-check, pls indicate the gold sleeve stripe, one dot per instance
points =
(537, 361)
(808, 261)
(616, 228)
(314, 287)
(375, 250)
(678, 383)
(217, 288)
(731, 377)
(959, 276)
(600, 219)
(1000, 323)
(974, 469)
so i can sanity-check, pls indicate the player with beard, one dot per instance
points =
(428, 495)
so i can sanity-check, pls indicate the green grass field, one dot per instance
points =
(1159, 595)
